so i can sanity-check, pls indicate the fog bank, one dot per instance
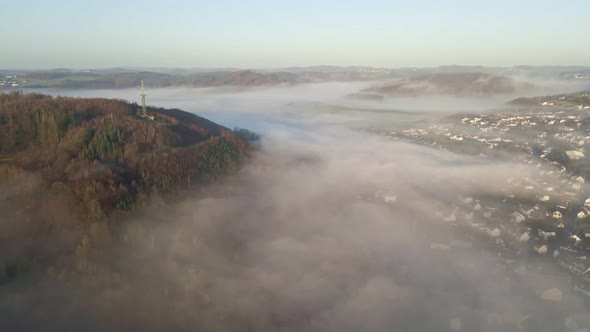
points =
(326, 228)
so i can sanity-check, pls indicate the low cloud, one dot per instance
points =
(325, 228)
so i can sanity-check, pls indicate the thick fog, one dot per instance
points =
(326, 228)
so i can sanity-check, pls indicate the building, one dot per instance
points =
(574, 155)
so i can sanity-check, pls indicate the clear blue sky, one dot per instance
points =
(278, 33)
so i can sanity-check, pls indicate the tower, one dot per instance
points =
(143, 107)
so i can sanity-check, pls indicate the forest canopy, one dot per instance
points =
(68, 164)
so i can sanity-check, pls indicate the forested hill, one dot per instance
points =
(465, 84)
(66, 163)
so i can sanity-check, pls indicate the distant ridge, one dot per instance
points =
(455, 84)
(125, 77)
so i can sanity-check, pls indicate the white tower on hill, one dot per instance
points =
(143, 106)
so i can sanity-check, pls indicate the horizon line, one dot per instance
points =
(285, 67)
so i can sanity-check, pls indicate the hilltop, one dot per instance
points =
(71, 144)
(66, 163)
(115, 78)
(235, 78)
(455, 84)
(120, 79)
(579, 100)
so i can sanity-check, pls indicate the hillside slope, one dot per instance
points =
(66, 163)
(578, 100)
(456, 84)
(88, 80)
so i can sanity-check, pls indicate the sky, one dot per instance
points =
(44, 34)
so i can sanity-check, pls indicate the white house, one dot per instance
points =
(479, 223)
(518, 217)
(546, 235)
(574, 155)
(390, 199)
(576, 238)
(450, 218)
(542, 250)
(494, 233)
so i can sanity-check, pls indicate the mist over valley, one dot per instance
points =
(379, 166)
(398, 214)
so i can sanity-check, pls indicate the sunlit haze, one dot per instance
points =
(287, 166)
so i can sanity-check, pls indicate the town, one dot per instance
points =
(10, 81)
(546, 214)
(542, 218)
